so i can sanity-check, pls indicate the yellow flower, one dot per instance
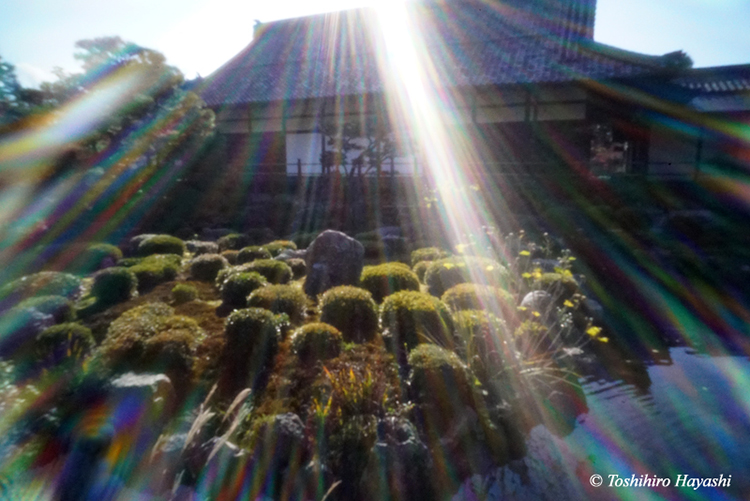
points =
(604, 339)
(568, 303)
(448, 266)
(524, 253)
(490, 268)
(593, 331)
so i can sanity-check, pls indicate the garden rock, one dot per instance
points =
(333, 259)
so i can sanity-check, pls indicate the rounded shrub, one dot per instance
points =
(352, 311)
(249, 254)
(156, 269)
(437, 374)
(251, 341)
(443, 274)
(44, 283)
(172, 352)
(233, 241)
(113, 285)
(421, 268)
(316, 341)
(485, 339)
(298, 266)
(276, 272)
(560, 286)
(385, 279)
(288, 299)
(413, 318)
(470, 296)
(129, 262)
(206, 266)
(198, 247)
(125, 343)
(238, 286)
(97, 256)
(230, 256)
(184, 293)
(59, 307)
(160, 244)
(428, 254)
(62, 343)
(278, 246)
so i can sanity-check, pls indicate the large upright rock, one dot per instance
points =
(332, 259)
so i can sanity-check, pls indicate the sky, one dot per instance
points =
(198, 36)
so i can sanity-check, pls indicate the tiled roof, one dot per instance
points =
(719, 79)
(468, 43)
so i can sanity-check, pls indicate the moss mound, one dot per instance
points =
(445, 273)
(412, 318)
(289, 299)
(113, 285)
(97, 256)
(385, 279)
(60, 308)
(45, 283)
(252, 341)
(276, 272)
(160, 244)
(278, 246)
(249, 254)
(63, 344)
(184, 293)
(439, 377)
(238, 286)
(206, 266)
(479, 297)
(428, 254)
(316, 341)
(233, 241)
(485, 339)
(560, 286)
(352, 311)
(420, 269)
(156, 269)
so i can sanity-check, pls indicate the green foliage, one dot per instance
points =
(352, 311)
(97, 256)
(289, 299)
(420, 269)
(243, 326)
(172, 352)
(385, 279)
(68, 342)
(156, 269)
(184, 293)
(248, 254)
(438, 377)
(428, 254)
(45, 283)
(233, 241)
(486, 344)
(298, 266)
(479, 297)
(59, 307)
(443, 274)
(252, 341)
(124, 346)
(561, 286)
(129, 262)
(412, 318)
(238, 286)
(160, 244)
(278, 246)
(113, 285)
(231, 256)
(206, 266)
(316, 341)
(276, 272)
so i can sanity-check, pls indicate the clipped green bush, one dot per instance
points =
(124, 345)
(44, 283)
(560, 286)
(171, 352)
(276, 272)
(420, 269)
(485, 339)
(206, 266)
(59, 307)
(352, 311)
(384, 279)
(230, 256)
(316, 341)
(160, 244)
(249, 254)
(412, 318)
(156, 269)
(278, 246)
(252, 340)
(184, 293)
(113, 285)
(62, 343)
(233, 241)
(470, 296)
(129, 262)
(298, 266)
(289, 299)
(428, 254)
(445, 273)
(238, 286)
(97, 256)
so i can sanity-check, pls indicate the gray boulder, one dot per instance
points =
(333, 259)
